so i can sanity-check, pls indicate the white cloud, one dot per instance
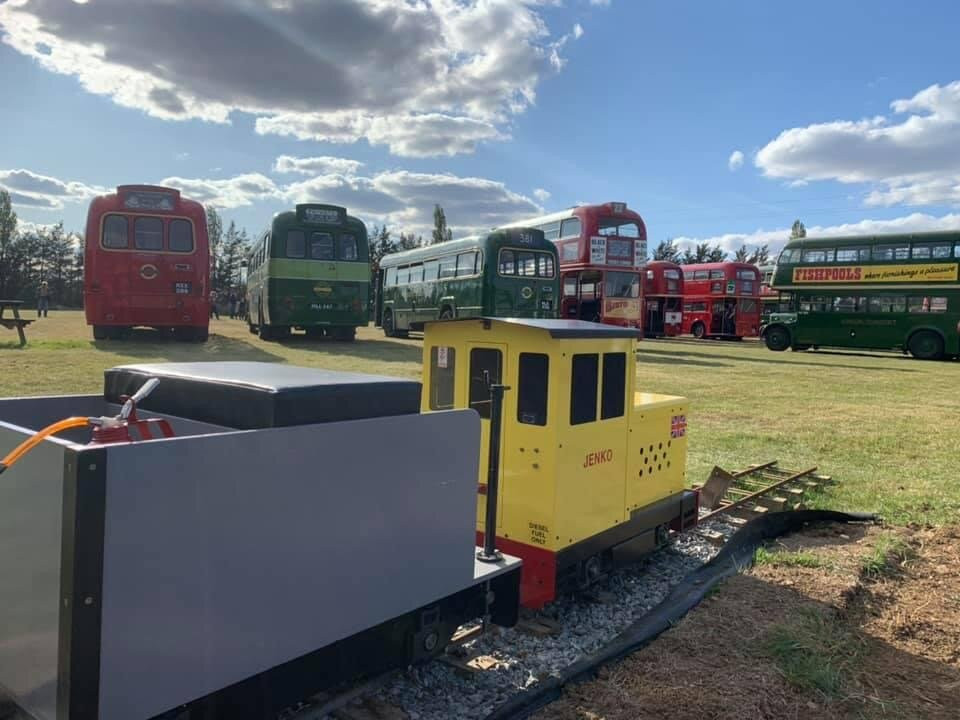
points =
(541, 194)
(316, 165)
(735, 161)
(577, 31)
(234, 192)
(776, 239)
(30, 189)
(911, 158)
(600, 3)
(422, 78)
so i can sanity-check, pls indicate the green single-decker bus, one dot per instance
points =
(880, 292)
(504, 273)
(310, 271)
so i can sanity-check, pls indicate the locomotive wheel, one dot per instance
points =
(777, 338)
(699, 331)
(926, 345)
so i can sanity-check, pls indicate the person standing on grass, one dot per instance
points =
(43, 299)
(233, 305)
(213, 305)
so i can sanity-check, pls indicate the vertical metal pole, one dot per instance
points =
(490, 552)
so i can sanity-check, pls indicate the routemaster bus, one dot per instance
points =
(146, 263)
(663, 299)
(505, 273)
(721, 300)
(603, 250)
(310, 271)
(881, 292)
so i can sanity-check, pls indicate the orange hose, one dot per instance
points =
(27, 445)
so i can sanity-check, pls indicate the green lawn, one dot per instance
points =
(886, 426)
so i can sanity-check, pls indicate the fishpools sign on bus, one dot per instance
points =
(876, 273)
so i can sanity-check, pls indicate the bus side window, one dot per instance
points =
(390, 278)
(486, 365)
(614, 385)
(443, 362)
(570, 228)
(448, 266)
(296, 244)
(115, 232)
(430, 270)
(507, 263)
(416, 273)
(583, 389)
(570, 286)
(920, 252)
(532, 389)
(148, 233)
(941, 251)
(403, 275)
(551, 231)
(465, 264)
(181, 236)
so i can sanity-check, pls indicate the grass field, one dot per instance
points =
(887, 427)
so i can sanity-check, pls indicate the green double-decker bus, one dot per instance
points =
(881, 292)
(310, 271)
(505, 273)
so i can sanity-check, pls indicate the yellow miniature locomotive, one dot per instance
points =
(591, 469)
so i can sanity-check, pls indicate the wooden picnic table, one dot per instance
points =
(16, 322)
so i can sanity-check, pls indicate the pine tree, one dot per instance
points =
(741, 254)
(214, 237)
(704, 253)
(408, 242)
(231, 251)
(760, 256)
(798, 230)
(441, 233)
(11, 255)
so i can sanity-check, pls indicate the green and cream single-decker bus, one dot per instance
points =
(310, 271)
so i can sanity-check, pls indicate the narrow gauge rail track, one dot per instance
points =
(476, 663)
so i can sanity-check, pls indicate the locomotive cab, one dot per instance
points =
(592, 469)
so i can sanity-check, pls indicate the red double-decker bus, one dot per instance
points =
(603, 249)
(721, 300)
(663, 299)
(146, 263)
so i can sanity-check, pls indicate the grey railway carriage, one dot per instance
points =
(258, 556)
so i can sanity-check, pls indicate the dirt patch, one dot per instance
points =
(835, 622)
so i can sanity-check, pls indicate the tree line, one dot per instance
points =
(706, 253)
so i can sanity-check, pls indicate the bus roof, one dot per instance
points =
(570, 212)
(715, 265)
(451, 247)
(815, 242)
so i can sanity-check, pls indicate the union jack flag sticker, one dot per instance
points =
(678, 426)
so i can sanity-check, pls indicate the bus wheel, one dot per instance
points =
(926, 345)
(388, 327)
(446, 314)
(101, 332)
(699, 330)
(345, 333)
(777, 338)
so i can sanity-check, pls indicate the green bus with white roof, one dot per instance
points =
(310, 271)
(503, 273)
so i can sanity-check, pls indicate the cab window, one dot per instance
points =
(614, 385)
(583, 388)
(486, 368)
(443, 361)
(507, 264)
(570, 228)
(390, 278)
(148, 233)
(115, 232)
(532, 389)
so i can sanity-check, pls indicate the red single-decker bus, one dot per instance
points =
(721, 300)
(146, 263)
(603, 249)
(663, 299)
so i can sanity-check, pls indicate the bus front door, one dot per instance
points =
(654, 322)
(570, 302)
(729, 321)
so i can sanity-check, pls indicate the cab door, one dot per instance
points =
(486, 366)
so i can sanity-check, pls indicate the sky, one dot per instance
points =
(719, 122)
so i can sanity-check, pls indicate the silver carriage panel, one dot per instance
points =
(226, 555)
(31, 499)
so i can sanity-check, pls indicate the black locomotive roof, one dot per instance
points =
(249, 395)
(568, 328)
